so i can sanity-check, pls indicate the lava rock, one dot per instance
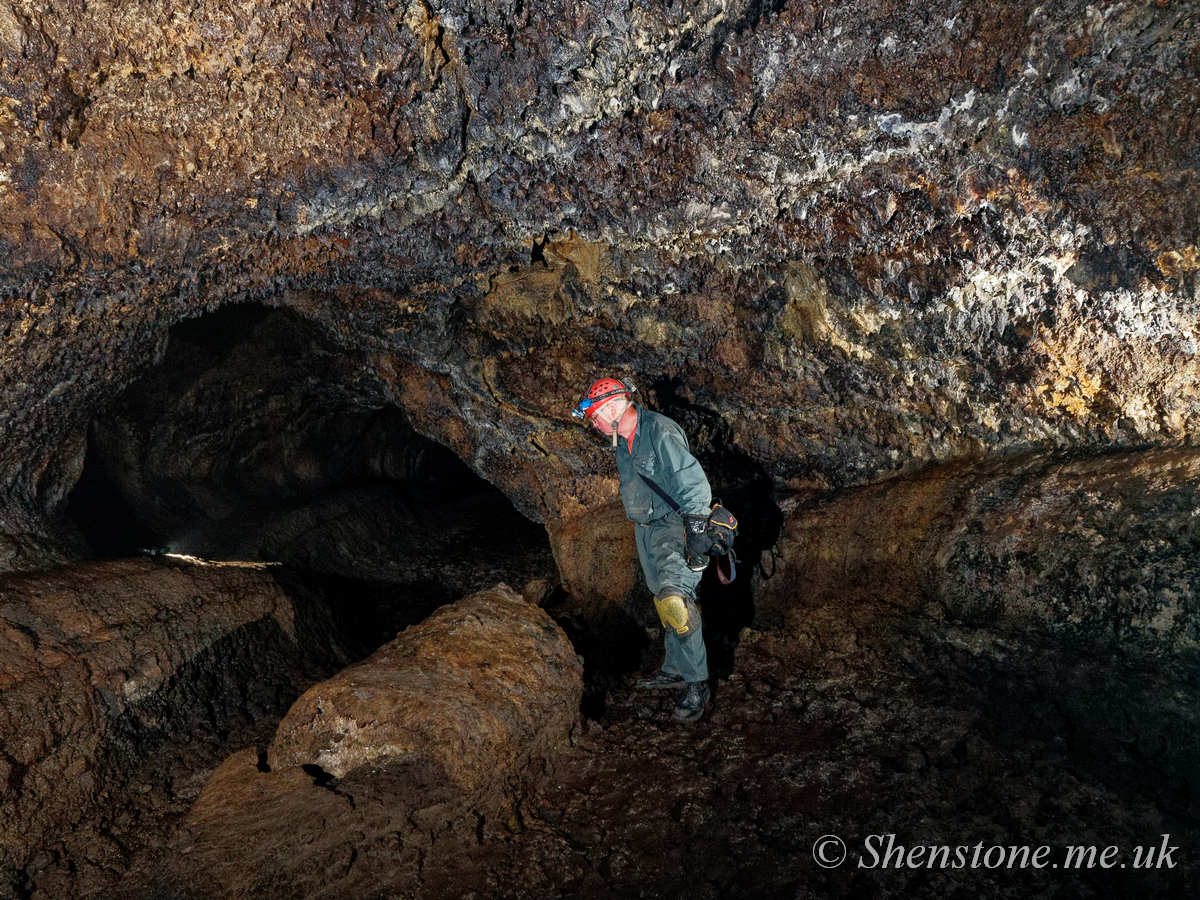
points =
(1062, 592)
(481, 687)
(100, 664)
(863, 242)
(597, 558)
(438, 732)
(1102, 547)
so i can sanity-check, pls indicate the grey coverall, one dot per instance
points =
(660, 452)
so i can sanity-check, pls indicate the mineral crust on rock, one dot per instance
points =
(846, 245)
(860, 238)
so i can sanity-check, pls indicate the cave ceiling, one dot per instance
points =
(845, 239)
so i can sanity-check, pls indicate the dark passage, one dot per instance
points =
(258, 438)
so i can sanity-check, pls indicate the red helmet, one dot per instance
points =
(602, 389)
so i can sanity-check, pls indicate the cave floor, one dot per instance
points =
(815, 729)
(801, 743)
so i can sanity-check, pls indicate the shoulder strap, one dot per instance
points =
(654, 487)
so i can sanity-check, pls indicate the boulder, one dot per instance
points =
(481, 687)
(438, 731)
(597, 558)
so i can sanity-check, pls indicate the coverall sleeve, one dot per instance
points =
(685, 479)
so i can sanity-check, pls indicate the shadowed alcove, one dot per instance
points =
(256, 438)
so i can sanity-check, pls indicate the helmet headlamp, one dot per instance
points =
(600, 392)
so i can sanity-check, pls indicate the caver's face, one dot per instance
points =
(607, 414)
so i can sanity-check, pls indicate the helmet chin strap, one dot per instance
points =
(617, 421)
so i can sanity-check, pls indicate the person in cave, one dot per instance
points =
(667, 496)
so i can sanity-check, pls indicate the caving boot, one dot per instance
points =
(661, 681)
(691, 704)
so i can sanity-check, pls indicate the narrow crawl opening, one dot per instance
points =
(259, 438)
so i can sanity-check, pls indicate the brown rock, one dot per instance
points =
(478, 687)
(89, 653)
(597, 557)
(439, 730)
(1102, 548)
(866, 242)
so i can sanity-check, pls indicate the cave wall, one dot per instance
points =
(843, 243)
(1098, 549)
(863, 237)
(1060, 591)
(103, 665)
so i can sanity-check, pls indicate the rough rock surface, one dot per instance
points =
(1096, 549)
(103, 667)
(1077, 579)
(819, 728)
(839, 242)
(812, 735)
(475, 687)
(597, 558)
(864, 238)
(441, 730)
